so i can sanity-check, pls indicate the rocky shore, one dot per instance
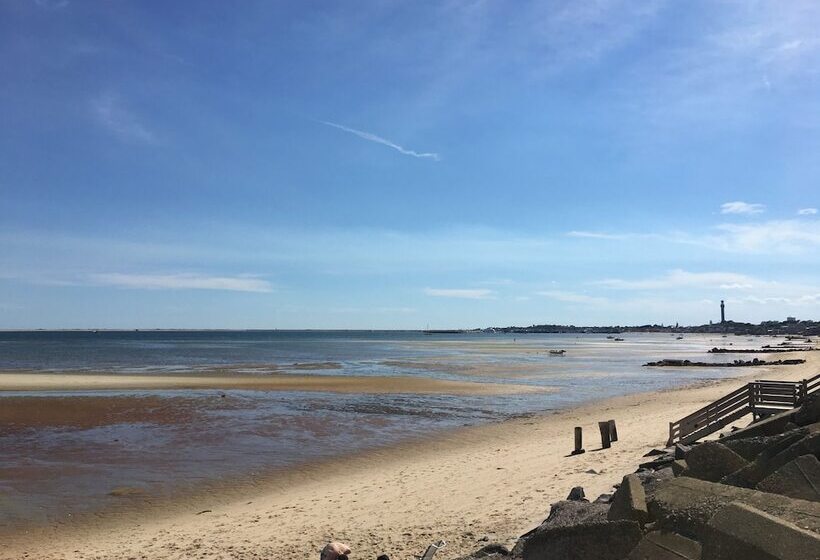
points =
(734, 363)
(754, 494)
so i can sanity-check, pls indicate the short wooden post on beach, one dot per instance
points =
(606, 442)
(579, 441)
(613, 431)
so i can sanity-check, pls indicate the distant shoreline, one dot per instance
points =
(766, 328)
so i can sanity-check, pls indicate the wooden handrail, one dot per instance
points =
(756, 397)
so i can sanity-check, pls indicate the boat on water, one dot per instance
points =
(557, 352)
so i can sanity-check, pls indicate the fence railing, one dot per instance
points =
(758, 398)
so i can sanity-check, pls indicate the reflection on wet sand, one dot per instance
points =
(10, 381)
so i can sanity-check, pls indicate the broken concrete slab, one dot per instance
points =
(665, 546)
(681, 450)
(684, 505)
(741, 532)
(712, 461)
(799, 478)
(679, 466)
(629, 501)
(612, 540)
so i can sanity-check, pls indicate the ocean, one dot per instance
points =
(161, 443)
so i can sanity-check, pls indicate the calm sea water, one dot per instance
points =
(49, 472)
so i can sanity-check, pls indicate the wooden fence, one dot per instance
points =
(759, 398)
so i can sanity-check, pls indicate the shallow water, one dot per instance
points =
(162, 442)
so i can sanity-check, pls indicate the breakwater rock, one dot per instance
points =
(734, 363)
(754, 494)
(763, 350)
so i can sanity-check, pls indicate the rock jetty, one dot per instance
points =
(753, 494)
(735, 363)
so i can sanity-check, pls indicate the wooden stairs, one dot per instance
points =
(759, 398)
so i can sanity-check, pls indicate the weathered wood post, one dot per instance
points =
(579, 441)
(605, 441)
(613, 431)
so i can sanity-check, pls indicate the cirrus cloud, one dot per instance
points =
(183, 282)
(739, 207)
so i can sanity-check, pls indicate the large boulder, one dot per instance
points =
(612, 540)
(712, 461)
(742, 532)
(629, 501)
(665, 546)
(685, 505)
(799, 478)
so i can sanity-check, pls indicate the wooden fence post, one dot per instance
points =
(605, 440)
(579, 441)
(613, 431)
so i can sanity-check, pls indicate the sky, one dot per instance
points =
(381, 164)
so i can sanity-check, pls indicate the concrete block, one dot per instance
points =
(809, 412)
(769, 426)
(685, 505)
(712, 461)
(612, 540)
(629, 501)
(742, 532)
(665, 546)
(679, 466)
(805, 441)
(799, 478)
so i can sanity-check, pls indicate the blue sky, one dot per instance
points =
(393, 165)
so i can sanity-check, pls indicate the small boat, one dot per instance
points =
(679, 338)
(618, 339)
(610, 337)
(557, 352)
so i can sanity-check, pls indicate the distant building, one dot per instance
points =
(791, 319)
(722, 312)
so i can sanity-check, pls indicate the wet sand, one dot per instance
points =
(495, 481)
(31, 381)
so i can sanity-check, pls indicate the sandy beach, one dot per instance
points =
(493, 481)
(29, 381)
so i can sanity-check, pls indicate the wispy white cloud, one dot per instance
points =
(571, 297)
(807, 212)
(182, 282)
(682, 279)
(383, 141)
(110, 112)
(780, 237)
(52, 4)
(599, 235)
(459, 293)
(739, 207)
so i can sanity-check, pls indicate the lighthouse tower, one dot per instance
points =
(722, 312)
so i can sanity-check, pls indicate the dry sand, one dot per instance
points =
(495, 481)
